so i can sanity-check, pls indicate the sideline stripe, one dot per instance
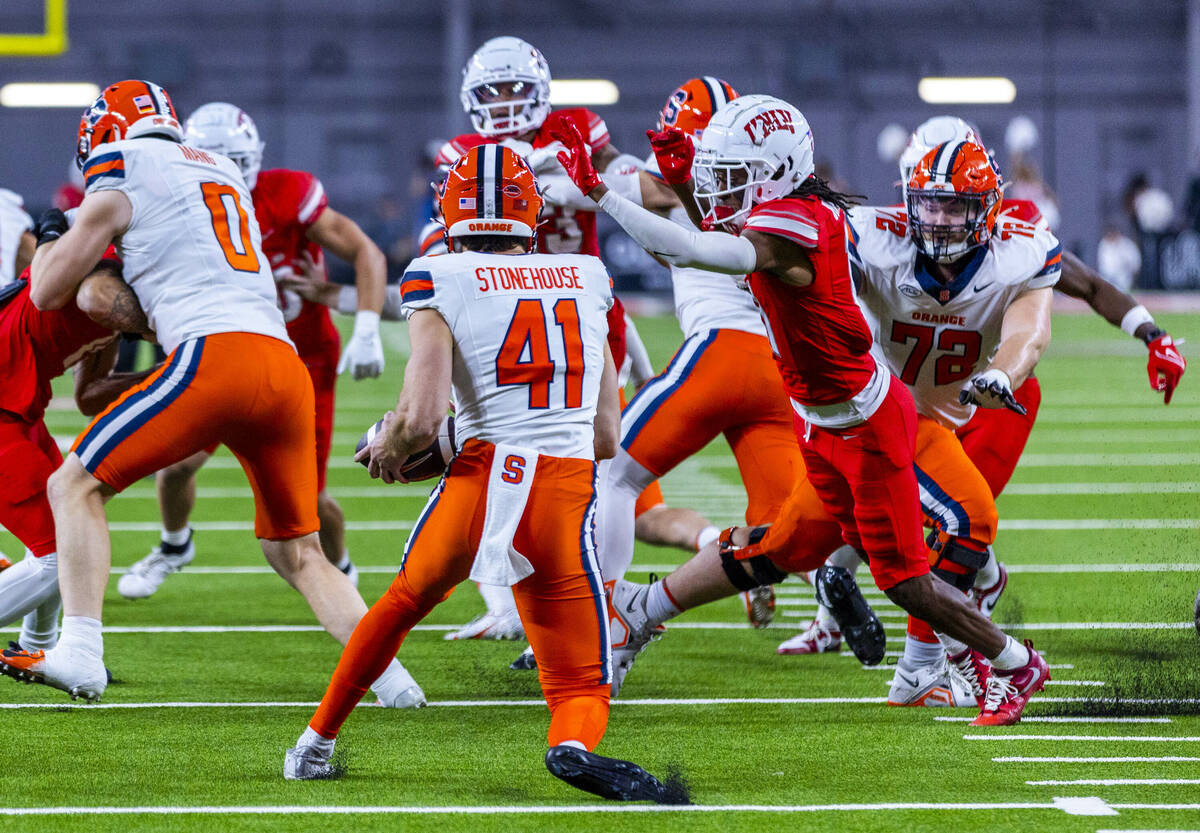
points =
(1114, 782)
(294, 809)
(966, 719)
(1097, 738)
(1128, 759)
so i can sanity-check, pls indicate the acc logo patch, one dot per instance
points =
(910, 290)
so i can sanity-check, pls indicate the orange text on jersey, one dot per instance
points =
(934, 318)
(499, 278)
(193, 155)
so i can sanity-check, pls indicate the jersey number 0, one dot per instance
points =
(233, 237)
(524, 357)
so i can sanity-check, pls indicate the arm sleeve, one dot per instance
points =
(715, 251)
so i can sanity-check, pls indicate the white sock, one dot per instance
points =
(39, 629)
(845, 556)
(989, 573)
(344, 564)
(707, 535)
(1014, 655)
(26, 585)
(311, 738)
(499, 599)
(659, 606)
(951, 645)
(177, 538)
(918, 654)
(576, 744)
(82, 633)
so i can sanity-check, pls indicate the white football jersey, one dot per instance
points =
(708, 300)
(14, 222)
(529, 335)
(193, 251)
(935, 337)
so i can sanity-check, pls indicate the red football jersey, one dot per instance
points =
(37, 346)
(562, 231)
(286, 204)
(821, 341)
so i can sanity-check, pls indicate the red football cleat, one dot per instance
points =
(4, 563)
(1009, 691)
(975, 670)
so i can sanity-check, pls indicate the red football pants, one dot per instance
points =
(28, 456)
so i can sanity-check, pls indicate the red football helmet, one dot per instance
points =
(691, 105)
(490, 190)
(953, 200)
(126, 110)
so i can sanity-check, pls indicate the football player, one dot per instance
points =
(297, 224)
(183, 222)
(856, 423)
(38, 346)
(521, 337)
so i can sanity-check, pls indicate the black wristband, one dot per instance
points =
(1153, 334)
(52, 225)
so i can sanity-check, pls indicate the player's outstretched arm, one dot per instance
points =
(607, 431)
(414, 423)
(342, 236)
(65, 256)
(1024, 334)
(1166, 364)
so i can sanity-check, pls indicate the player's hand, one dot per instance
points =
(674, 151)
(1165, 367)
(309, 282)
(51, 226)
(364, 354)
(381, 455)
(575, 159)
(990, 389)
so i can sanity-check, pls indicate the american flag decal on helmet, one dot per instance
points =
(466, 203)
(144, 104)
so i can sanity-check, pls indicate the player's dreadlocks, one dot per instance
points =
(814, 186)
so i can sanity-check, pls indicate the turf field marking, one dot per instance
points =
(1047, 719)
(1096, 738)
(1127, 759)
(1114, 782)
(1070, 459)
(1075, 683)
(1154, 488)
(1088, 806)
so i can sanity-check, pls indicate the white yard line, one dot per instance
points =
(1042, 719)
(1088, 738)
(1114, 782)
(1127, 759)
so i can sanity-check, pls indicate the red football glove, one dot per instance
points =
(674, 151)
(575, 159)
(1165, 367)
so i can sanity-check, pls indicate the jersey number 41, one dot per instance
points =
(524, 357)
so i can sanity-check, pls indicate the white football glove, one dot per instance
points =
(364, 354)
(990, 389)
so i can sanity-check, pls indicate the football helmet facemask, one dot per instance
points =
(953, 200)
(758, 148)
(126, 110)
(490, 190)
(227, 129)
(506, 88)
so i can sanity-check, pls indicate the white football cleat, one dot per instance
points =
(307, 763)
(629, 627)
(986, 598)
(931, 685)
(505, 624)
(144, 578)
(818, 639)
(79, 673)
(396, 689)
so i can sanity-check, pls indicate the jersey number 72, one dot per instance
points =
(524, 357)
(962, 351)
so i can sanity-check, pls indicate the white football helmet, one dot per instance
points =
(928, 135)
(506, 66)
(226, 129)
(756, 145)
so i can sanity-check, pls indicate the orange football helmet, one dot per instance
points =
(490, 190)
(126, 110)
(953, 199)
(691, 105)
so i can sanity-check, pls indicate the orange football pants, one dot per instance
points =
(562, 604)
(248, 391)
(720, 382)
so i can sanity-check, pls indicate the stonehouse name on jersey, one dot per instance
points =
(501, 278)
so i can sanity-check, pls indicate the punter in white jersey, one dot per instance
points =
(183, 222)
(16, 236)
(958, 300)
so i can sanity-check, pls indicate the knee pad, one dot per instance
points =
(735, 561)
(955, 562)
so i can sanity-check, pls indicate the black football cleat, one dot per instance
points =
(525, 662)
(861, 628)
(611, 778)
